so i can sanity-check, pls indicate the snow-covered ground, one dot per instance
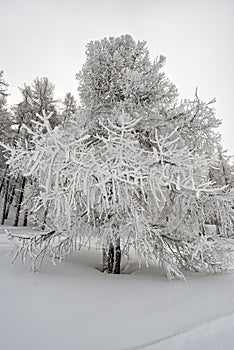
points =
(73, 306)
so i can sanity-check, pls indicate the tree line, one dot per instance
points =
(37, 98)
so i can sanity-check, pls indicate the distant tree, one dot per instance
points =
(36, 99)
(3, 88)
(225, 168)
(5, 115)
(7, 136)
(69, 107)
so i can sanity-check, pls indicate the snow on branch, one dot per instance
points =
(37, 246)
(106, 183)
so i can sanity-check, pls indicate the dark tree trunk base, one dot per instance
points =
(12, 195)
(117, 257)
(25, 222)
(112, 258)
(20, 202)
(5, 202)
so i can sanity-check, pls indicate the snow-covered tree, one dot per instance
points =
(37, 98)
(108, 188)
(131, 170)
(5, 115)
(3, 88)
(118, 71)
(7, 135)
(222, 171)
(69, 107)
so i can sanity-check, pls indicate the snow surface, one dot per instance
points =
(73, 306)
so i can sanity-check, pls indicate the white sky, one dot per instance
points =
(48, 38)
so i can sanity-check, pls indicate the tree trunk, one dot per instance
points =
(5, 201)
(11, 197)
(112, 258)
(3, 179)
(2, 184)
(45, 216)
(20, 202)
(25, 222)
(117, 257)
(104, 260)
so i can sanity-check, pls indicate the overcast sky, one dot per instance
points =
(48, 38)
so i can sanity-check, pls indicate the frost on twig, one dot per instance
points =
(37, 246)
